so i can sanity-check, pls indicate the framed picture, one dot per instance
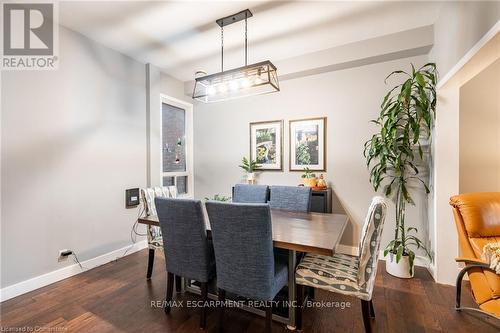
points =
(266, 144)
(308, 144)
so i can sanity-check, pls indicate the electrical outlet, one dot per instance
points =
(64, 254)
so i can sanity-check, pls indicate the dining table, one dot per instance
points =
(297, 232)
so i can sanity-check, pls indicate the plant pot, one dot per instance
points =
(251, 178)
(400, 269)
(310, 182)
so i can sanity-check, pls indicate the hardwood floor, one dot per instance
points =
(117, 298)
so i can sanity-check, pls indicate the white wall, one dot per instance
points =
(447, 160)
(73, 140)
(460, 26)
(349, 98)
(480, 132)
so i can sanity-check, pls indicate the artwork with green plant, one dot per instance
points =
(249, 165)
(395, 154)
(308, 174)
(266, 145)
(218, 197)
(303, 156)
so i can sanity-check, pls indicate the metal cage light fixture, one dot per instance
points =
(254, 79)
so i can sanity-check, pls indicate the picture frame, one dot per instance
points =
(307, 144)
(266, 144)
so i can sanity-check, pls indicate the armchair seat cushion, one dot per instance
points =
(491, 306)
(338, 273)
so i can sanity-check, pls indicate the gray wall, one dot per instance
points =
(349, 98)
(460, 25)
(72, 141)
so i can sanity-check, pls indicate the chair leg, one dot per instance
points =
(204, 297)
(269, 317)
(298, 311)
(178, 284)
(220, 310)
(151, 260)
(372, 310)
(365, 309)
(170, 291)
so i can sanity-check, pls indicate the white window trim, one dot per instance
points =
(188, 107)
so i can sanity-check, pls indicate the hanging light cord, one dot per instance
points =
(222, 48)
(246, 41)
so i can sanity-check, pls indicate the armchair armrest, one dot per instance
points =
(471, 261)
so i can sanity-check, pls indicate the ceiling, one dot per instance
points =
(182, 37)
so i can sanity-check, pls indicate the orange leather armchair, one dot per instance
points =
(477, 217)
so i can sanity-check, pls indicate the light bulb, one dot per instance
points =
(233, 85)
(245, 83)
(222, 88)
(211, 90)
(258, 80)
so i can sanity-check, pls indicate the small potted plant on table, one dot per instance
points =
(250, 166)
(309, 178)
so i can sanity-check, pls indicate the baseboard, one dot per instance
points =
(420, 261)
(66, 272)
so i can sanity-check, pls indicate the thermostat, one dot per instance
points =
(131, 197)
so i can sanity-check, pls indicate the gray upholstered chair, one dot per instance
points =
(345, 274)
(244, 193)
(188, 251)
(243, 243)
(296, 198)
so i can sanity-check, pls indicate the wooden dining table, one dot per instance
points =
(316, 233)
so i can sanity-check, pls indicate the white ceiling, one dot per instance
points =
(182, 37)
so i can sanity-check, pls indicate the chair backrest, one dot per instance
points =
(244, 193)
(294, 198)
(243, 244)
(478, 213)
(369, 244)
(185, 242)
(149, 194)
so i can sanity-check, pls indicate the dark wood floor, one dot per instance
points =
(117, 298)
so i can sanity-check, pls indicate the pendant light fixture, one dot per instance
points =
(254, 79)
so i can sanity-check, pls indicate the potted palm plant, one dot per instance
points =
(250, 166)
(395, 154)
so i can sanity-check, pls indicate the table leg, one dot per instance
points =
(151, 260)
(292, 297)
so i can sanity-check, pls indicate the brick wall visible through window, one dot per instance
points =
(173, 138)
(174, 168)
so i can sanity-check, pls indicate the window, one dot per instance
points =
(176, 145)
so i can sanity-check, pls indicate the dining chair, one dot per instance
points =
(243, 244)
(244, 193)
(294, 198)
(188, 251)
(155, 240)
(346, 274)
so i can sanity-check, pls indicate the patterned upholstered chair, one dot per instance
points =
(243, 243)
(345, 274)
(296, 198)
(155, 240)
(188, 251)
(244, 193)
